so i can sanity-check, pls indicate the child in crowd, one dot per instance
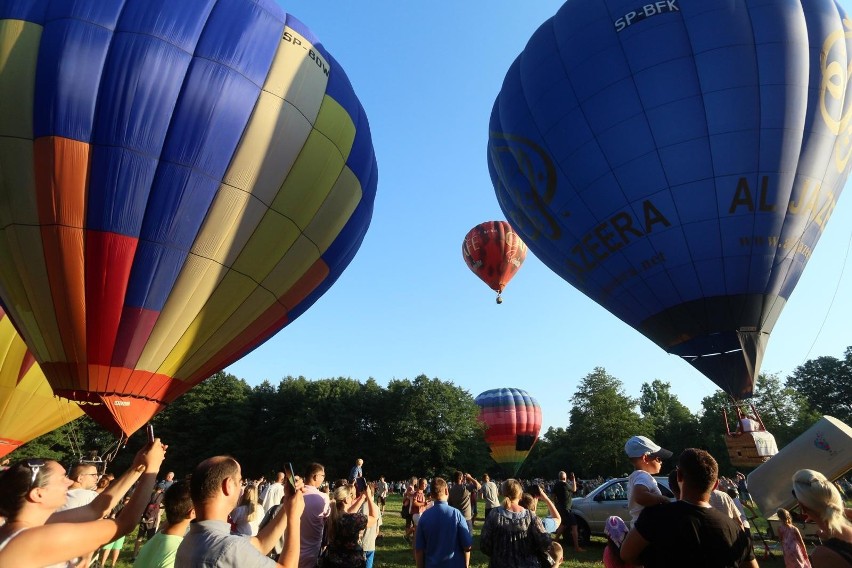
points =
(556, 554)
(647, 458)
(615, 529)
(795, 554)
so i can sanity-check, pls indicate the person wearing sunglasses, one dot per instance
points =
(688, 532)
(647, 459)
(35, 534)
(821, 502)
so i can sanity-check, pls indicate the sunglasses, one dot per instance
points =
(35, 466)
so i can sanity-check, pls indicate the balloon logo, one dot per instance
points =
(28, 407)
(513, 420)
(178, 181)
(494, 252)
(679, 164)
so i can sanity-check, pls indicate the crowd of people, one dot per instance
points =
(214, 517)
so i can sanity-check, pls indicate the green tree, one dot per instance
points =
(212, 418)
(784, 412)
(551, 455)
(602, 418)
(673, 426)
(826, 383)
(430, 421)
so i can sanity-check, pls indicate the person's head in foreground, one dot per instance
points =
(645, 455)
(37, 481)
(820, 501)
(512, 491)
(697, 472)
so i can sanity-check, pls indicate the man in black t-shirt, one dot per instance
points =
(563, 491)
(688, 532)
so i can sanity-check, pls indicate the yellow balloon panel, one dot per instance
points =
(28, 407)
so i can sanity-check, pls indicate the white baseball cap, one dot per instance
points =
(638, 446)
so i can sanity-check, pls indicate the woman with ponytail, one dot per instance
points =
(31, 491)
(246, 517)
(345, 526)
(822, 503)
(513, 537)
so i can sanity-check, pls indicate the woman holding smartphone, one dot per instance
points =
(32, 490)
(345, 527)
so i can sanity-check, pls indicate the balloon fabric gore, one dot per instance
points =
(678, 163)
(28, 407)
(179, 182)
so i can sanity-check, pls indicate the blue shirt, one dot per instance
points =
(549, 523)
(355, 472)
(443, 536)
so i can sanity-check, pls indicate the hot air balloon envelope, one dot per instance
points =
(513, 420)
(494, 252)
(178, 181)
(678, 164)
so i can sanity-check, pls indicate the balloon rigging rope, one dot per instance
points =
(833, 297)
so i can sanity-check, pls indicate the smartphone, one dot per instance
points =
(291, 477)
(150, 430)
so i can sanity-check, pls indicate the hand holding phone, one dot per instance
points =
(290, 477)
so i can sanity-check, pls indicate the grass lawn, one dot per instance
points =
(393, 552)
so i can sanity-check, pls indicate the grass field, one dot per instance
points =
(393, 552)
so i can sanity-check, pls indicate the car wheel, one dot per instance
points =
(584, 535)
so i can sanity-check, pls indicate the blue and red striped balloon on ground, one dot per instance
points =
(678, 161)
(512, 421)
(178, 181)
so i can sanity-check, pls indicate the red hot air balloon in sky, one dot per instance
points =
(494, 252)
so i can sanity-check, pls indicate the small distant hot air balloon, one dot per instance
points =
(513, 420)
(679, 165)
(28, 407)
(494, 252)
(180, 180)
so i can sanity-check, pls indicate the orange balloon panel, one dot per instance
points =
(494, 252)
(28, 407)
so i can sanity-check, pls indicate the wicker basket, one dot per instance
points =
(742, 450)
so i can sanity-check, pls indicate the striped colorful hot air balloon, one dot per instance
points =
(513, 420)
(28, 407)
(178, 181)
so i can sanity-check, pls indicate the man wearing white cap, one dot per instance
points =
(647, 458)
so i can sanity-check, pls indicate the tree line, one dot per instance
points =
(428, 426)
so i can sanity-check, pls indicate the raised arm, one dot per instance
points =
(269, 535)
(473, 480)
(372, 512)
(551, 507)
(295, 505)
(57, 542)
(105, 502)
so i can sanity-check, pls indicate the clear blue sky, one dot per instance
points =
(427, 74)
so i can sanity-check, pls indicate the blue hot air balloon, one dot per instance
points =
(678, 162)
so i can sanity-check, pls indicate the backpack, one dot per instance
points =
(149, 517)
